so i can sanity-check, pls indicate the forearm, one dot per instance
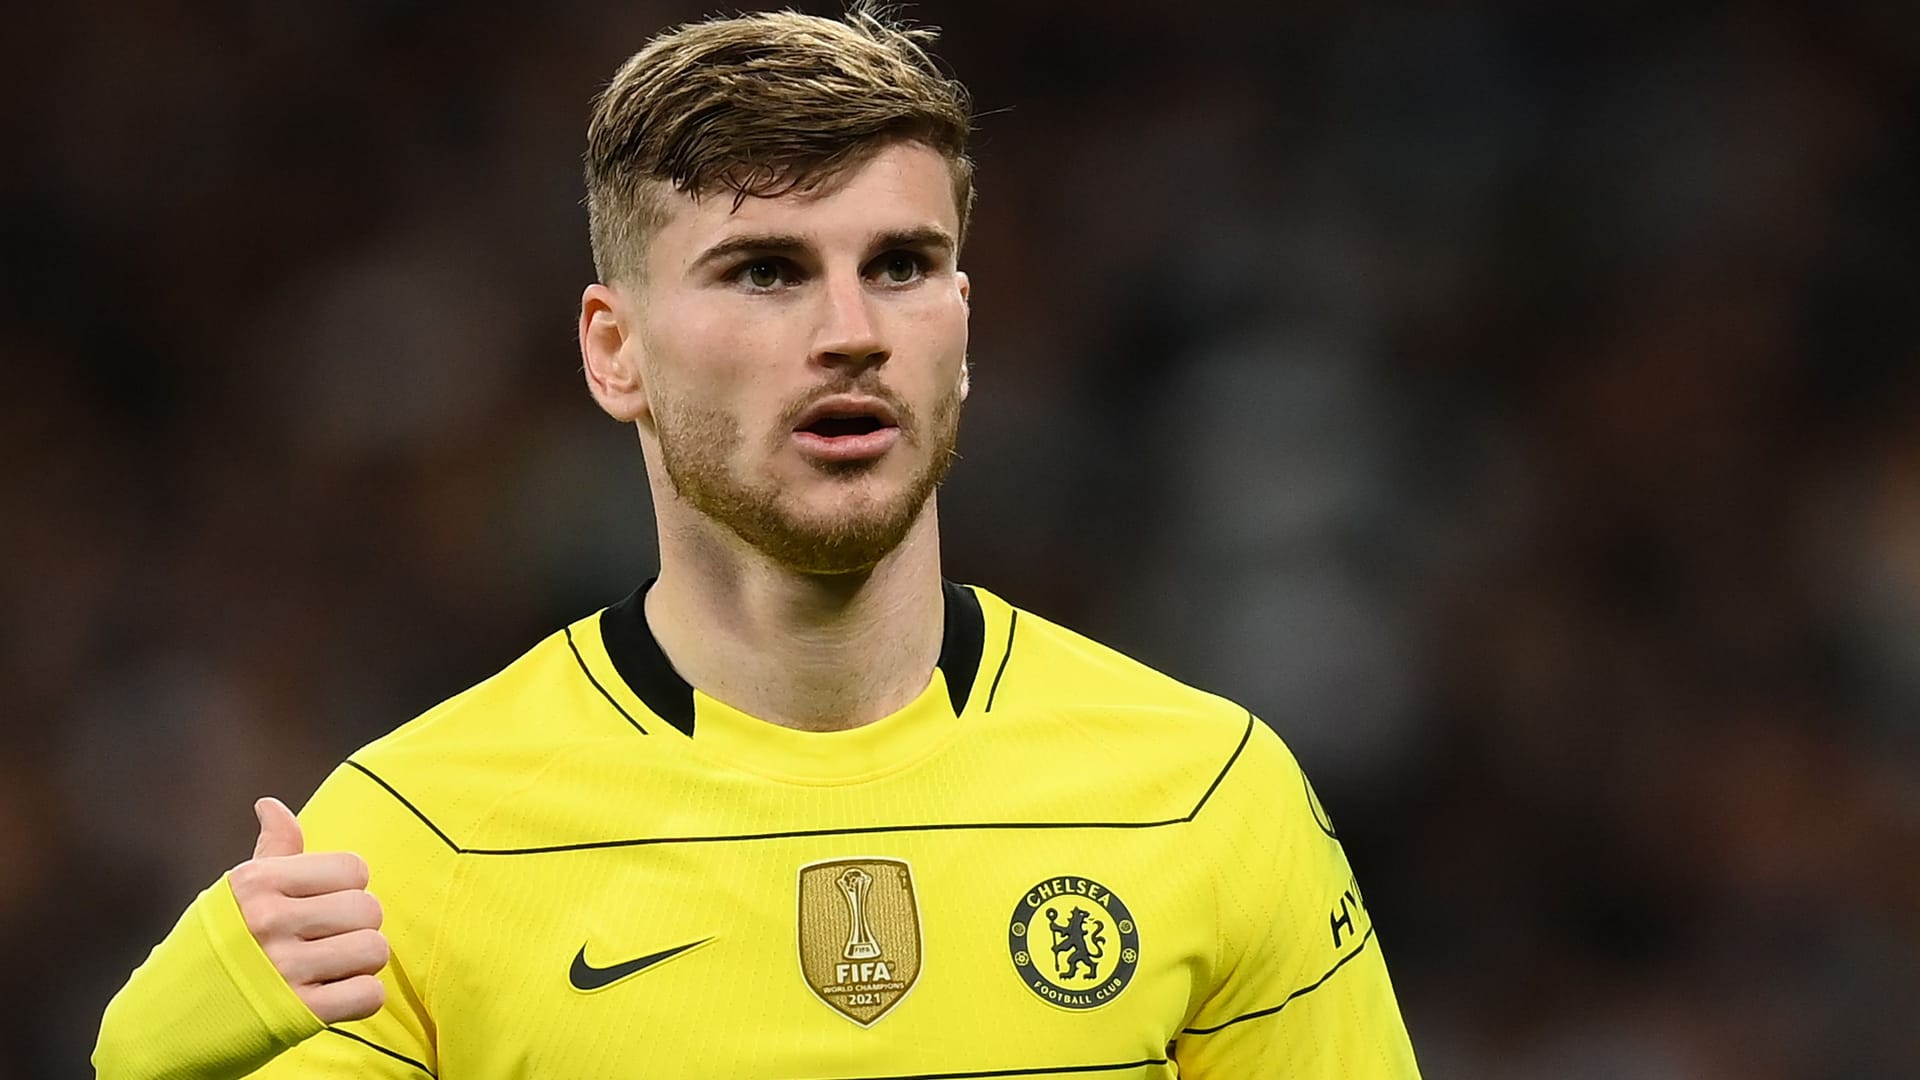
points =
(207, 1003)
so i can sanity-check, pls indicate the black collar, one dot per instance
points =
(636, 655)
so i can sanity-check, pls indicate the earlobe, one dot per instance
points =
(966, 379)
(610, 355)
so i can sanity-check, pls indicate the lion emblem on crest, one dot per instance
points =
(1078, 941)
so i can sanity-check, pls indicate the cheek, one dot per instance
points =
(953, 324)
(944, 339)
(934, 321)
(707, 358)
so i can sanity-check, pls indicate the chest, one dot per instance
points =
(949, 951)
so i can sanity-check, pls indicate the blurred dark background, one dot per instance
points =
(1514, 403)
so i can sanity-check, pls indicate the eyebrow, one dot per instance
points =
(924, 236)
(760, 243)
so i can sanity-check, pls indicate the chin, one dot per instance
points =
(838, 539)
(866, 518)
(842, 520)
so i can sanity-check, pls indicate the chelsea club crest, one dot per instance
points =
(1074, 942)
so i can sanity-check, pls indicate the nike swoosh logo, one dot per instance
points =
(586, 978)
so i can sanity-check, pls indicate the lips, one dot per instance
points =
(845, 414)
(846, 428)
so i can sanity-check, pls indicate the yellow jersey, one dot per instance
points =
(1055, 862)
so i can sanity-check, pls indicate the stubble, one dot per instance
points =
(700, 447)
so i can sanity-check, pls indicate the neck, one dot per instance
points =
(808, 651)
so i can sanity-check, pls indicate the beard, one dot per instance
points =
(698, 445)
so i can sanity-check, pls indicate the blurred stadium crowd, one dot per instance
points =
(1514, 403)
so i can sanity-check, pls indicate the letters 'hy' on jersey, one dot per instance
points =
(1055, 862)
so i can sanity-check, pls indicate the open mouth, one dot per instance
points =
(848, 428)
(835, 427)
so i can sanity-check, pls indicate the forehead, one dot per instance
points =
(902, 187)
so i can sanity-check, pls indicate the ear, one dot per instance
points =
(966, 300)
(610, 352)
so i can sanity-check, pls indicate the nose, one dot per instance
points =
(849, 336)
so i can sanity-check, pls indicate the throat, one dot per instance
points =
(795, 653)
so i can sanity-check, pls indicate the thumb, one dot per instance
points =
(279, 832)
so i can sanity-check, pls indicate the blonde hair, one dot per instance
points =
(761, 105)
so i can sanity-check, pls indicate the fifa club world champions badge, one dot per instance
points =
(1073, 942)
(859, 935)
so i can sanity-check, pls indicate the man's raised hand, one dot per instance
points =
(313, 917)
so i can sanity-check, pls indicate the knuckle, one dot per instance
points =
(378, 950)
(357, 870)
(364, 997)
(354, 998)
(336, 958)
(264, 916)
(282, 959)
(315, 923)
(359, 952)
(247, 878)
(371, 911)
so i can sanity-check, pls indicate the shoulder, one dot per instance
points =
(1075, 696)
(1049, 669)
(1047, 666)
(452, 765)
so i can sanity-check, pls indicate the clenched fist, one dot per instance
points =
(314, 918)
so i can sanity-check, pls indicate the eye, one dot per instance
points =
(764, 274)
(900, 268)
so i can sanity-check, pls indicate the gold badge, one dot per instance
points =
(859, 935)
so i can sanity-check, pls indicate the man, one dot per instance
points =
(799, 807)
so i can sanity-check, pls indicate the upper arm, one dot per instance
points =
(1301, 989)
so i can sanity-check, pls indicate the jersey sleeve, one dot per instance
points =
(209, 1003)
(1300, 989)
